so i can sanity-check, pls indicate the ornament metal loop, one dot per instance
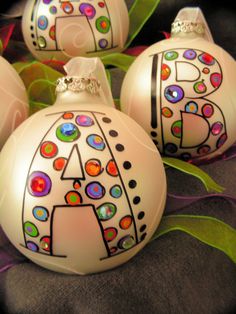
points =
(76, 84)
(187, 27)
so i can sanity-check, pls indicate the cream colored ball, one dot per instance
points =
(62, 30)
(182, 92)
(83, 188)
(13, 101)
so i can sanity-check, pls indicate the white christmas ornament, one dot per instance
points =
(13, 102)
(83, 187)
(182, 91)
(65, 29)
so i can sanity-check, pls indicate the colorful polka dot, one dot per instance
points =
(110, 234)
(217, 128)
(53, 9)
(116, 191)
(59, 163)
(206, 58)
(126, 243)
(200, 87)
(47, 1)
(32, 246)
(207, 110)
(103, 43)
(40, 213)
(52, 32)
(101, 4)
(103, 24)
(191, 107)
(206, 71)
(73, 198)
(67, 7)
(203, 150)
(85, 121)
(67, 132)
(96, 141)
(48, 149)
(174, 93)
(45, 243)
(223, 138)
(171, 55)
(216, 79)
(106, 211)
(95, 190)
(76, 185)
(176, 129)
(68, 115)
(125, 222)
(171, 148)
(167, 112)
(93, 167)
(190, 54)
(88, 10)
(42, 22)
(39, 184)
(111, 168)
(42, 42)
(31, 229)
(165, 72)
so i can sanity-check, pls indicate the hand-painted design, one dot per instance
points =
(223, 138)
(45, 243)
(59, 163)
(39, 184)
(126, 243)
(167, 112)
(171, 148)
(73, 198)
(176, 129)
(47, 1)
(40, 213)
(67, 132)
(32, 246)
(48, 149)
(31, 229)
(120, 147)
(95, 190)
(93, 167)
(165, 72)
(153, 134)
(200, 87)
(207, 110)
(206, 71)
(143, 228)
(126, 222)
(206, 58)
(50, 26)
(217, 128)
(96, 141)
(106, 211)
(103, 24)
(190, 54)
(186, 156)
(88, 10)
(141, 215)
(174, 93)
(72, 205)
(216, 79)
(110, 234)
(116, 191)
(203, 150)
(143, 236)
(67, 7)
(83, 120)
(192, 107)
(171, 55)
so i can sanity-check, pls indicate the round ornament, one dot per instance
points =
(65, 29)
(13, 103)
(181, 91)
(90, 188)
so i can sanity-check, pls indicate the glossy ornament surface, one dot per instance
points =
(181, 91)
(65, 29)
(84, 187)
(13, 102)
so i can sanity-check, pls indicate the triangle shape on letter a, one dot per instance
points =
(74, 167)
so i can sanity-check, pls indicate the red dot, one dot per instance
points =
(101, 4)
(59, 163)
(38, 184)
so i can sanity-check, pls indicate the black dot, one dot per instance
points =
(132, 184)
(143, 228)
(143, 236)
(34, 43)
(32, 35)
(120, 148)
(113, 133)
(141, 215)
(127, 165)
(154, 134)
(136, 200)
(106, 120)
(31, 27)
(155, 142)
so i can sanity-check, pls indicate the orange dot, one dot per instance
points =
(73, 198)
(93, 168)
(112, 169)
(68, 115)
(77, 185)
(126, 222)
(104, 24)
(59, 163)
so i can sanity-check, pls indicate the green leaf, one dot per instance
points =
(188, 168)
(208, 230)
(119, 60)
(139, 14)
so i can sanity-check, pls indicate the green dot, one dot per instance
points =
(171, 55)
(103, 24)
(67, 132)
(31, 229)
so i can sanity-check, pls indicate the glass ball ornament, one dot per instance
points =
(14, 106)
(83, 187)
(181, 91)
(65, 29)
